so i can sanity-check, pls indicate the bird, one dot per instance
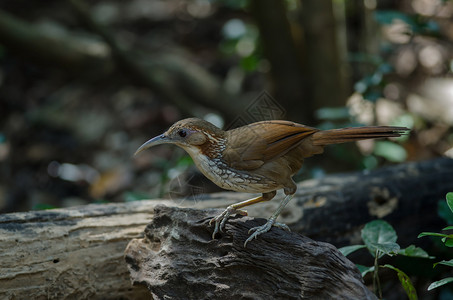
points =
(260, 157)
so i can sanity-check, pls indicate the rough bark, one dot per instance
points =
(78, 252)
(70, 253)
(178, 259)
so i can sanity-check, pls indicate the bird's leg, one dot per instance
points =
(235, 208)
(270, 222)
(221, 219)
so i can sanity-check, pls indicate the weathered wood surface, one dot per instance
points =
(70, 253)
(178, 259)
(78, 252)
(334, 209)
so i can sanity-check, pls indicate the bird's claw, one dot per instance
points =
(263, 229)
(282, 226)
(221, 219)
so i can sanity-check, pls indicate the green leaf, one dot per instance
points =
(349, 249)
(390, 151)
(439, 283)
(431, 234)
(386, 248)
(443, 210)
(449, 242)
(448, 228)
(444, 262)
(405, 282)
(364, 269)
(450, 200)
(379, 231)
(380, 235)
(413, 251)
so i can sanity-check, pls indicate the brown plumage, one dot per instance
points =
(258, 158)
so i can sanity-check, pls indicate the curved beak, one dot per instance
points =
(160, 139)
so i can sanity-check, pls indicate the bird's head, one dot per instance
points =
(189, 134)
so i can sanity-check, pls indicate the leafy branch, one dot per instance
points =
(447, 239)
(380, 238)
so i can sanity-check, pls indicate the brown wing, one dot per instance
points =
(249, 147)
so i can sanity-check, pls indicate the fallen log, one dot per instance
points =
(74, 253)
(78, 252)
(335, 208)
(178, 259)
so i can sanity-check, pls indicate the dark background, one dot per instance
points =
(84, 84)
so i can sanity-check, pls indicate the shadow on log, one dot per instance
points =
(177, 259)
(335, 208)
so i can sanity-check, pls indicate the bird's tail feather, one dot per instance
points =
(343, 135)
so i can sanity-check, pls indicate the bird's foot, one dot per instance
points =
(221, 219)
(265, 228)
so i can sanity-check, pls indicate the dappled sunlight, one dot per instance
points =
(398, 32)
(434, 100)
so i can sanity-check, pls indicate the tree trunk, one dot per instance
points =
(283, 51)
(325, 56)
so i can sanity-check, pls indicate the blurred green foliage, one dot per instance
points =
(371, 85)
(418, 24)
(131, 196)
(447, 239)
(390, 151)
(379, 239)
(43, 206)
(242, 39)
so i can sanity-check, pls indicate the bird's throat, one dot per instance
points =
(216, 170)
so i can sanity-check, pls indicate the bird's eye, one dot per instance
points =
(182, 133)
